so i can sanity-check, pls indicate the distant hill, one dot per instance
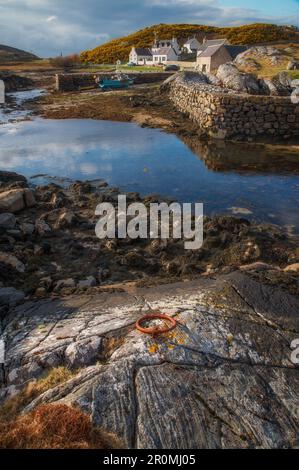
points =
(11, 54)
(119, 49)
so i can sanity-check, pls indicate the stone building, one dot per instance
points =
(214, 54)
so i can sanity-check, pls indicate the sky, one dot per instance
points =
(49, 27)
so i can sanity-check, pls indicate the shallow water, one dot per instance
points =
(233, 179)
(13, 109)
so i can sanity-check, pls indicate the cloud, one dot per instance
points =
(49, 27)
(51, 18)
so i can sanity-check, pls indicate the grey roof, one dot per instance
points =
(214, 42)
(162, 50)
(210, 50)
(143, 51)
(235, 50)
(211, 42)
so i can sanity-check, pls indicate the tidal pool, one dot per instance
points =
(256, 182)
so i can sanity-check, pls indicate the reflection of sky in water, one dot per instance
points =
(143, 160)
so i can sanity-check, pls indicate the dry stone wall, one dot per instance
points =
(77, 81)
(224, 114)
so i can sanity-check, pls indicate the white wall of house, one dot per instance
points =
(164, 58)
(139, 59)
(191, 45)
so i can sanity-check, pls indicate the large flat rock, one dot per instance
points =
(222, 379)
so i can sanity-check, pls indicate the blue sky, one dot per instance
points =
(272, 7)
(48, 27)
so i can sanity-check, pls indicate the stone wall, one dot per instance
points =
(77, 81)
(224, 114)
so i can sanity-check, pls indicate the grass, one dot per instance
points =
(49, 426)
(52, 426)
(13, 406)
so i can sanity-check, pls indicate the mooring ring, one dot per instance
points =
(155, 330)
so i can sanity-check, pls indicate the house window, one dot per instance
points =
(204, 68)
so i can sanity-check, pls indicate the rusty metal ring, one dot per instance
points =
(155, 330)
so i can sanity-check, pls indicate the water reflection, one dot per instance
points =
(243, 158)
(257, 182)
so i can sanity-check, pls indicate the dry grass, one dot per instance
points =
(52, 427)
(49, 426)
(13, 406)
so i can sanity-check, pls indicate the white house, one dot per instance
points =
(161, 43)
(162, 55)
(141, 56)
(163, 51)
(191, 46)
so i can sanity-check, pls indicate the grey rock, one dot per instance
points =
(13, 261)
(7, 220)
(42, 227)
(293, 65)
(88, 282)
(232, 78)
(10, 296)
(83, 353)
(222, 379)
(16, 200)
(27, 228)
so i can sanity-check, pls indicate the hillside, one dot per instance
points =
(11, 54)
(119, 49)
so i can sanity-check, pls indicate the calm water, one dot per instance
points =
(256, 183)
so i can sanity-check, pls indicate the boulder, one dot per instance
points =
(11, 177)
(16, 200)
(241, 82)
(293, 268)
(280, 85)
(42, 227)
(7, 220)
(64, 283)
(293, 65)
(66, 219)
(10, 296)
(27, 228)
(88, 282)
(12, 261)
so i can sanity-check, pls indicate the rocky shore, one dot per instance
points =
(48, 245)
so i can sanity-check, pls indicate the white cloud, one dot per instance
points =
(47, 27)
(50, 19)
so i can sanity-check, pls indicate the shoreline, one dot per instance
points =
(49, 248)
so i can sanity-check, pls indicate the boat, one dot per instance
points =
(115, 82)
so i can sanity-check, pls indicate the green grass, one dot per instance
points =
(294, 74)
(124, 68)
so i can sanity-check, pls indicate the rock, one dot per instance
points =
(12, 261)
(258, 266)
(232, 78)
(279, 85)
(11, 177)
(83, 353)
(227, 363)
(65, 283)
(16, 200)
(10, 296)
(40, 292)
(88, 282)
(7, 220)
(66, 219)
(292, 268)
(27, 228)
(42, 227)
(293, 65)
